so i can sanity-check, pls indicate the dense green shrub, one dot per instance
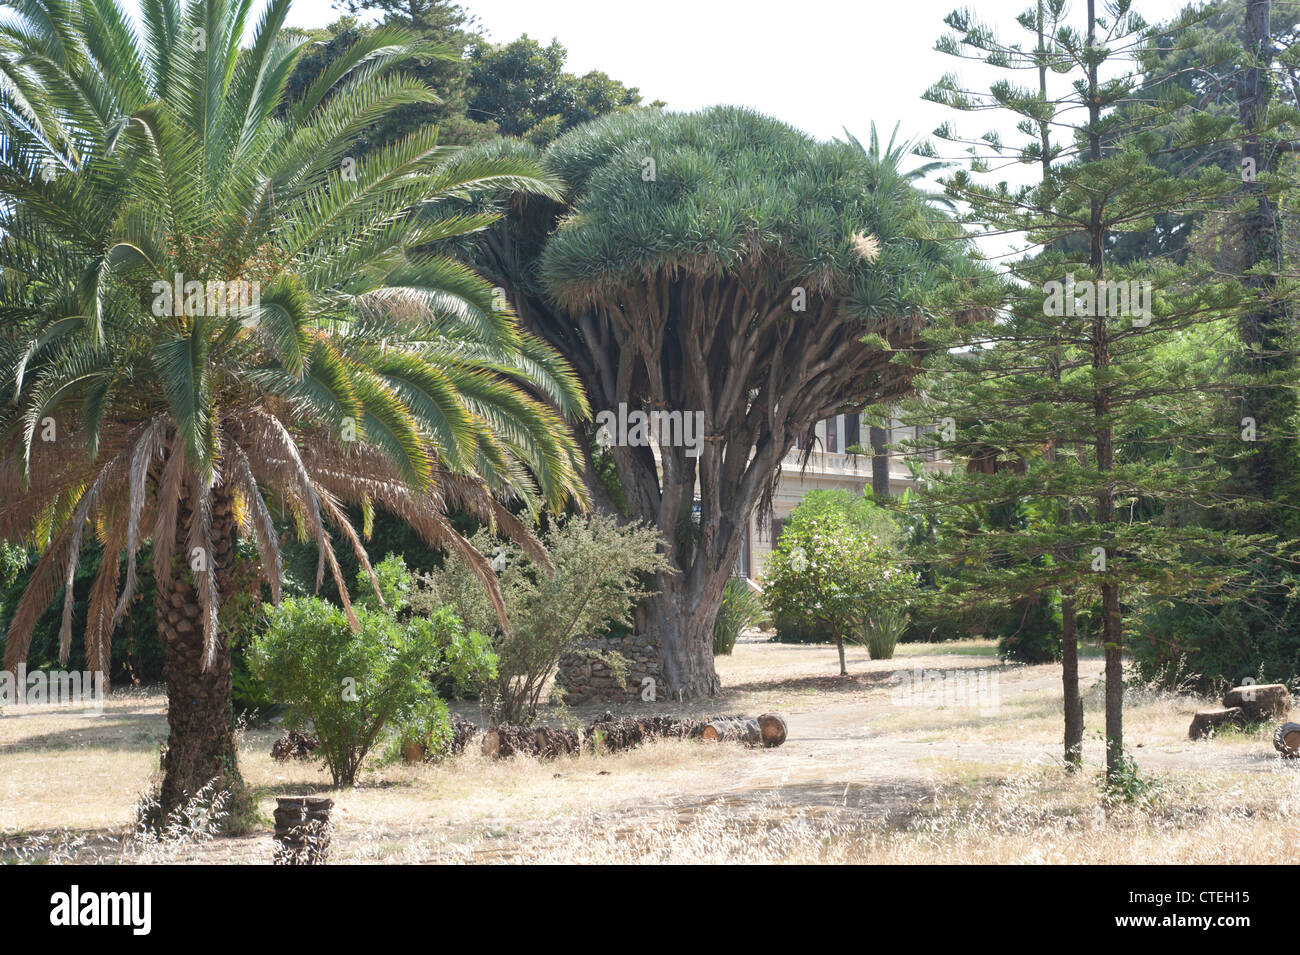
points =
(1211, 648)
(352, 682)
(600, 568)
(799, 628)
(741, 609)
(860, 511)
(1029, 631)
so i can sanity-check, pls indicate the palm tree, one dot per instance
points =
(213, 312)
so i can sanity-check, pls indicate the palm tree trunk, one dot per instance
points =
(201, 741)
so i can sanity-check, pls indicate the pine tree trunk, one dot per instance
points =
(201, 739)
(1262, 329)
(1070, 683)
(879, 465)
(1111, 622)
(1113, 642)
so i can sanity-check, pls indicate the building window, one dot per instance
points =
(852, 430)
(742, 559)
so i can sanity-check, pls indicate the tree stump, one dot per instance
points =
(1286, 740)
(1260, 702)
(773, 730)
(302, 829)
(1207, 720)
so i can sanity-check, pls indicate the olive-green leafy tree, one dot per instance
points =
(523, 88)
(146, 176)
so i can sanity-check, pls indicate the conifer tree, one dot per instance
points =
(1073, 399)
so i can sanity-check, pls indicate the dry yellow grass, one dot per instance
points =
(868, 775)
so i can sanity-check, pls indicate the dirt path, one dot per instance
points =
(874, 747)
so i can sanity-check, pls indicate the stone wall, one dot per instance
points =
(587, 679)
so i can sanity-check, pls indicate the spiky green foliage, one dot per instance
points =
(722, 263)
(370, 372)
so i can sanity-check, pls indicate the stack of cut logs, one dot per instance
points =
(294, 745)
(302, 829)
(613, 734)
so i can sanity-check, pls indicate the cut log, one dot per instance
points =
(613, 733)
(1204, 722)
(1260, 702)
(773, 729)
(550, 742)
(742, 730)
(1286, 740)
(504, 741)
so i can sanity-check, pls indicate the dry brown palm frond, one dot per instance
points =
(168, 494)
(44, 459)
(364, 472)
(423, 516)
(37, 595)
(109, 477)
(200, 546)
(260, 523)
(341, 521)
(59, 468)
(149, 447)
(19, 518)
(277, 459)
(100, 621)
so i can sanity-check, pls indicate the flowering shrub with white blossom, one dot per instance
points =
(836, 573)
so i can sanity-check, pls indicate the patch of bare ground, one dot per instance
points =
(869, 774)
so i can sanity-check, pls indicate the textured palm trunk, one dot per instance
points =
(201, 740)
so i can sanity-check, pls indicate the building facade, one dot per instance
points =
(829, 467)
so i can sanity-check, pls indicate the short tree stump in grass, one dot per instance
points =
(1260, 701)
(1286, 740)
(1204, 722)
(302, 829)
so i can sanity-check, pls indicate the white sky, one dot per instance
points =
(820, 65)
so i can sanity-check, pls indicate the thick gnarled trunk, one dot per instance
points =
(686, 640)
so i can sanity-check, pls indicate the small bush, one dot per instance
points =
(600, 567)
(351, 683)
(835, 572)
(741, 609)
